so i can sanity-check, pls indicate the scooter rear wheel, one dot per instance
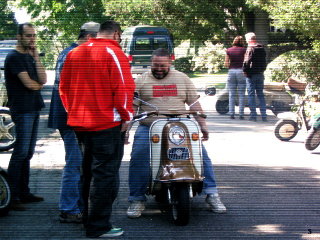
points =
(285, 130)
(7, 130)
(222, 106)
(5, 194)
(180, 203)
(313, 139)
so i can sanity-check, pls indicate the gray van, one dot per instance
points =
(139, 42)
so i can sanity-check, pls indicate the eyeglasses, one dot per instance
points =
(30, 35)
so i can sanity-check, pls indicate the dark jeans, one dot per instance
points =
(103, 151)
(255, 85)
(19, 166)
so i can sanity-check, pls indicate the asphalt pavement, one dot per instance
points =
(270, 188)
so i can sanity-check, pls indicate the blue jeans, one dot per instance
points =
(139, 169)
(19, 166)
(236, 85)
(102, 157)
(255, 85)
(71, 187)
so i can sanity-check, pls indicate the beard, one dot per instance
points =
(160, 74)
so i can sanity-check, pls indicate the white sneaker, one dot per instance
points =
(215, 203)
(135, 209)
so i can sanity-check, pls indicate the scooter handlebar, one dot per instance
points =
(144, 115)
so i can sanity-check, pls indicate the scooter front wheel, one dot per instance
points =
(285, 130)
(313, 139)
(5, 194)
(180, 203)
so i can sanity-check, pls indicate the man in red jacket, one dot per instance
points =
(96, 88)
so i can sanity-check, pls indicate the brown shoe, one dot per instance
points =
(16, 205)
(31, 198)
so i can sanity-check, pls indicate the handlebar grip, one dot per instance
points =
(144, 115)
(202, 115)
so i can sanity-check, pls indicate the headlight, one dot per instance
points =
(177, 135)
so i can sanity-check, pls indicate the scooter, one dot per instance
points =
(175, 159)
(7, 126)
(5, 193)
(277, 99)
(313, 138)
(291, 122)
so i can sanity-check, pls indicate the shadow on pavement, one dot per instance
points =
(262, 202)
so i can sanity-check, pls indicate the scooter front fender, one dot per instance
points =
(288, 116)
(163, 168)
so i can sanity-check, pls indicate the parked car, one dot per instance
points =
(139, 42)
(277, 99)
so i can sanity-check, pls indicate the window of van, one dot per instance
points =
(160, 42)
(143, 44)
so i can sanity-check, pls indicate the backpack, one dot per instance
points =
(255, 60)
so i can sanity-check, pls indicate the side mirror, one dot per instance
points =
(210, 91)
(135, 95)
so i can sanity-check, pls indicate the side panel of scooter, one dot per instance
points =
(316, 121)
(288, 116)
(174, 169)
(155, 148)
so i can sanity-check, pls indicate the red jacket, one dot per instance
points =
(96, 86)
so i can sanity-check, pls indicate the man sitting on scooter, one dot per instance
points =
(164, 88)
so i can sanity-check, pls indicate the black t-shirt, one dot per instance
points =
(20, 98)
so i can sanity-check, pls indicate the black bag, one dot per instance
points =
(255, 60)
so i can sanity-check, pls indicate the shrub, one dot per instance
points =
(210, 58)
(300, 64)
(184, 64)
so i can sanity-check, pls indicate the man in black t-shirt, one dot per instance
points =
(25, 77)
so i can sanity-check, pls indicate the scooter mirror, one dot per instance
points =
(210, 91)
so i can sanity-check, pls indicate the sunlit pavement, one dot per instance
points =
(271, 188)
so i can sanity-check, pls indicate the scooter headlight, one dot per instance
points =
(177, 135)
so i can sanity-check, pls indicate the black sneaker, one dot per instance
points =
(70, 218)
(30, 198)
(241, 117)
(16, 205)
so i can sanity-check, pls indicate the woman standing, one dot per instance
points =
(236, 79)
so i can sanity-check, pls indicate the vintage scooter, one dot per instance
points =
(313, 138)
(291, 122)
(5, 193)
(175, 159)
(277, 99)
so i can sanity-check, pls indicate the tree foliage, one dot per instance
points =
(8, 23)
(187, 19)
(63, 18)
(301, 16)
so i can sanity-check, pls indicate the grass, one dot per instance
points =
(223, 71)
(217, 80)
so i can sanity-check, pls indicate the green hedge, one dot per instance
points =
(300, 64)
